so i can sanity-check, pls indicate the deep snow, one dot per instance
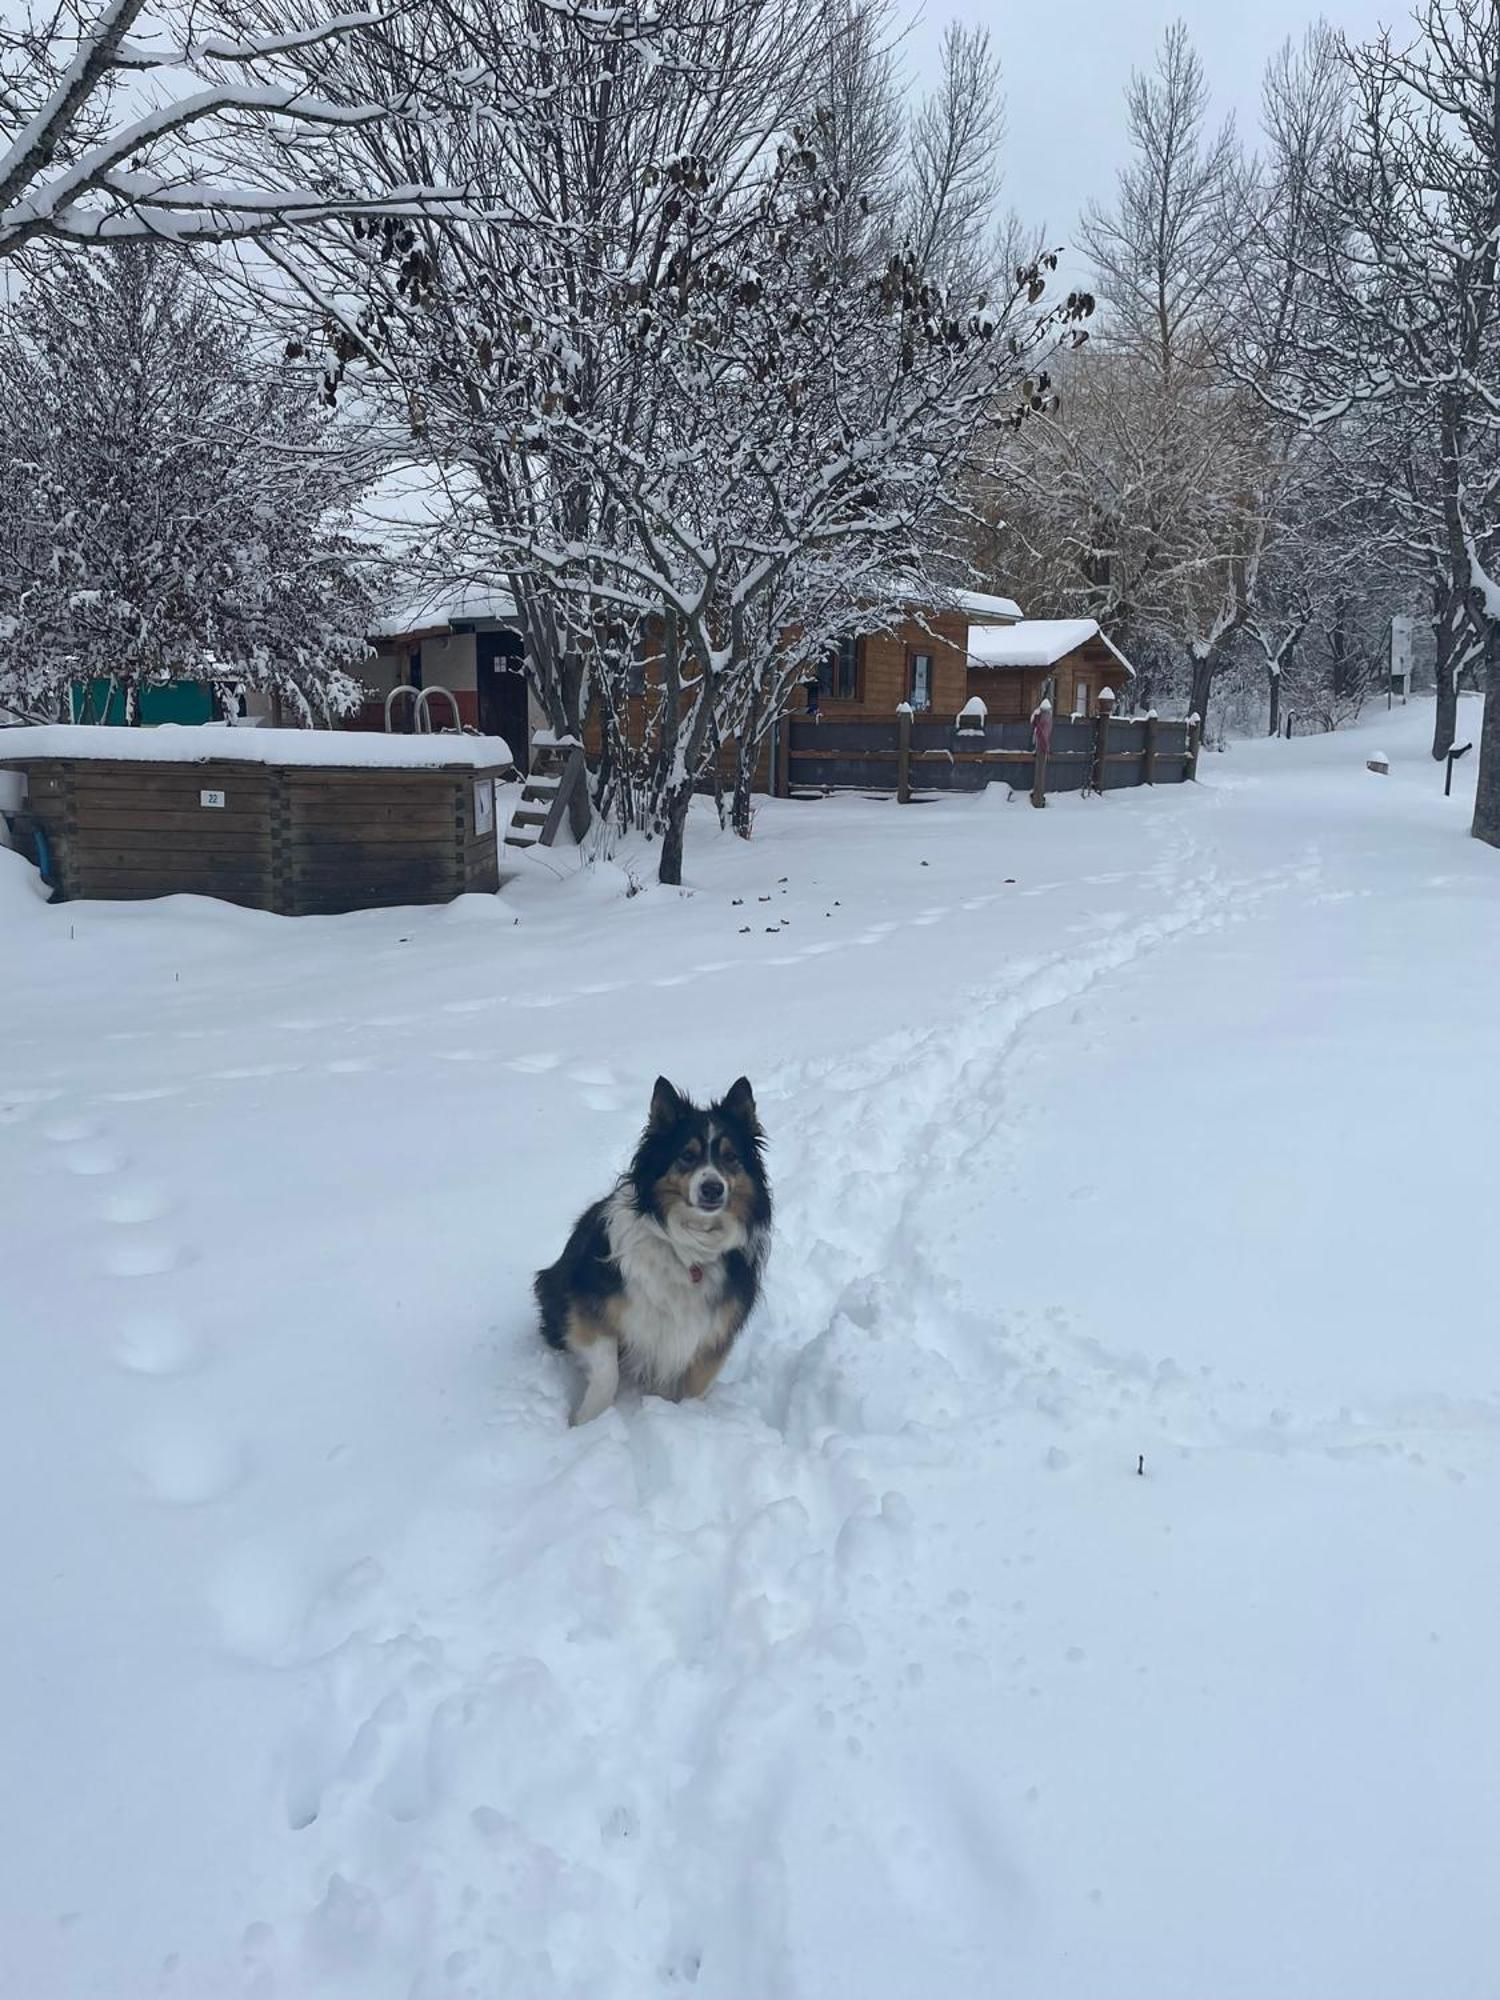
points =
(1154, 1125)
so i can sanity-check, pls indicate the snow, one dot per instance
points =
(197, 743)
(1035, 642)
(336, 1665)
(441, 610)
(981, 606)
(974, 706)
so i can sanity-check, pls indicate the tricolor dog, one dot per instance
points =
(658, 1278)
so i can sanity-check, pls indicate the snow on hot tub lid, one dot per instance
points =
(224, 743)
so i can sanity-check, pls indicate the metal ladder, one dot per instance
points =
(422, 714)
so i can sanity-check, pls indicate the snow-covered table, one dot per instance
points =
(300, 821)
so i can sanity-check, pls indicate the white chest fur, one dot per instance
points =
(667, 1317)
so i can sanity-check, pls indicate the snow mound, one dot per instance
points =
(223, 743)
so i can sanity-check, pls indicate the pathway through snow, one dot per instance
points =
(883, 1667)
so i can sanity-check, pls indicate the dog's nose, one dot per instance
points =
(710, 1193)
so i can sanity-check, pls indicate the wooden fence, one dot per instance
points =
(907, 754)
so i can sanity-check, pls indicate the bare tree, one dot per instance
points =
(170, 507)
(1162, 251)
(105, 136)
(953, 177)
(669, 409)
(1407, 317)
(1174, 475)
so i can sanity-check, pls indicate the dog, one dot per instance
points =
(657, 1279)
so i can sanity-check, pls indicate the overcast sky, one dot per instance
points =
(1067, 64)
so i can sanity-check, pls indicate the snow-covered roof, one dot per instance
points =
(441, 610)
(222, 742)
(986, 609)
(1035, 642)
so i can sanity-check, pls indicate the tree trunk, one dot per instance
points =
(1275, 728)
(742, 812)
(1486, 824)
(1445, 719)
(674, 831)
(1202, 688)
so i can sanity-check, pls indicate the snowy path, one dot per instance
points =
(341, 1667)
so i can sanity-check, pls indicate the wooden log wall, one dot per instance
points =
(298, 840)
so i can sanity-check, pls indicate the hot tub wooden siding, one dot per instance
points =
(299, 840)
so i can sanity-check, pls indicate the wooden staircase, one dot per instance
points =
(557, 771)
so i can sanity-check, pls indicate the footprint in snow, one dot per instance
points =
(142, 1203)
(140, 1257)
(66, 1131)
(93, 1159)
(598, 1073)
(155, 1343)
(533, 1065)
(187, 1464)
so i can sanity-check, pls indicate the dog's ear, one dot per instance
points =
(739, 1102)
(666, 1106)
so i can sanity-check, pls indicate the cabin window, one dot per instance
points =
(919, 681)
(838, 670)
(1080, 697)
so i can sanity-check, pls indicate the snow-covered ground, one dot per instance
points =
(1154, 1127)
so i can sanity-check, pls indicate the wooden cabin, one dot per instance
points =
(467, 643)
(923, 660)
(1011, 667)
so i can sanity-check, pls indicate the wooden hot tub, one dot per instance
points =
(299, 821)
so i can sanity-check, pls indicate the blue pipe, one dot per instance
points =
(40, 848)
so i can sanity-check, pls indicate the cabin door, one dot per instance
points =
(504, 703)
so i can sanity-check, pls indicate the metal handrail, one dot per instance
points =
(401, 687)
(424, 715)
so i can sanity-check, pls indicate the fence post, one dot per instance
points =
(903, 754)
(1149, 774)
(1041, 743)
(781, 786)
(1195, 732)
(1101, 735)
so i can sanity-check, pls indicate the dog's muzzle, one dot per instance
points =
(710, 1194)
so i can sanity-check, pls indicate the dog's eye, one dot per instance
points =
(728, 1159)
(688, 1159)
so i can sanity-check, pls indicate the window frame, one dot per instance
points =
(913, 654)
(841, 663)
